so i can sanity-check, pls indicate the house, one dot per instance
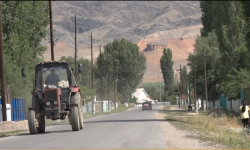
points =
(141, 95)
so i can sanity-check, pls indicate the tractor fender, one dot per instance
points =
(75, 98)
(32, 108)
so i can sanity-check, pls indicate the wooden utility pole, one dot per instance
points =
(108, 80)
(205, 73)
(2, 73)
(51, 31)
(75, 51)
(92, 72)
(181, 85)
(189, 99)
(101, 79)
(92, 62)
(114, 82)
(195, 85)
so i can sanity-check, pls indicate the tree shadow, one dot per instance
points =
(135, 120)
(46, 132)
(167, 111)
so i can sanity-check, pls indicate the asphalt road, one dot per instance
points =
(133, 129)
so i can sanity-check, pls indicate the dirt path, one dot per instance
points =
(176, 139)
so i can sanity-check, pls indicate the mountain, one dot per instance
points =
(149, 24)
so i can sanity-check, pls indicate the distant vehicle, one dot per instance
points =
(146, 106)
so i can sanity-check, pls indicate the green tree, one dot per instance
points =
(130, 65)
(213, 59)
(167, 70)
(207, 17)
(230, 30)
(246, 13)
(23, 27)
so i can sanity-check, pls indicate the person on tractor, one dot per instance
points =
(52, 78)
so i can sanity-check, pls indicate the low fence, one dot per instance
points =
(161, 103)
(232, 105)
(168, 103)
(88, 107)
(14, 111)
(18, 109)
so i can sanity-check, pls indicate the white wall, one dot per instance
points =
(228, 105)
(142, 96)
(236, 105)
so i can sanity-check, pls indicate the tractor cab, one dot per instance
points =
(53, 83)
(53, 79)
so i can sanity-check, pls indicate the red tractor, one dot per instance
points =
(55, 95)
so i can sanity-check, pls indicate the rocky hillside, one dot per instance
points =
(117, 19)
(150, 24)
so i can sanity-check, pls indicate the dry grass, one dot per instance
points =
(224, 130)
(4, 134)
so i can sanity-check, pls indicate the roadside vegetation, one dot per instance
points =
(224, 128)
(224, 42)
(4, 134)
(122, 62)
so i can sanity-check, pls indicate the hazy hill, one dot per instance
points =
(162, 23)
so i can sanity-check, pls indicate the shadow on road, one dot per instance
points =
(160, 110)
(137, 120)
(46, 132)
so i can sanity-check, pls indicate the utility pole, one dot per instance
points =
(160, 87)
(205, 73)
(179, 89)
(108, 80)
(101, 79)
(2, 73)
(181, 85)
(51, 31)
(189, 99)
(195, 88)
(75, 51)
(160, 91)
(92, 72)
(114, 82)
(125, 93)
(92, 62)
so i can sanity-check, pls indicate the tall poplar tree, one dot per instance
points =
(167, 70)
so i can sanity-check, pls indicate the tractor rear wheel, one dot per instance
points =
(41, 124)
(32, 122)
(81, 118)
(75, 119)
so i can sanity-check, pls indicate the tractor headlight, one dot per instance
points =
(55, 102)
(47, 103)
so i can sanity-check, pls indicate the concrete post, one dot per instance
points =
(93, 105)
(197, 106)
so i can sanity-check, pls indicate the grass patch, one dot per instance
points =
(213, 128)
(119, 109)
(4, 134)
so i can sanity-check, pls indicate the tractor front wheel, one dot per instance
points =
(32, 122)
(75, 124)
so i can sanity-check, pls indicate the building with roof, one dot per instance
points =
(141, 95)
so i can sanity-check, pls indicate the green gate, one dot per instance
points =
(223, 102)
